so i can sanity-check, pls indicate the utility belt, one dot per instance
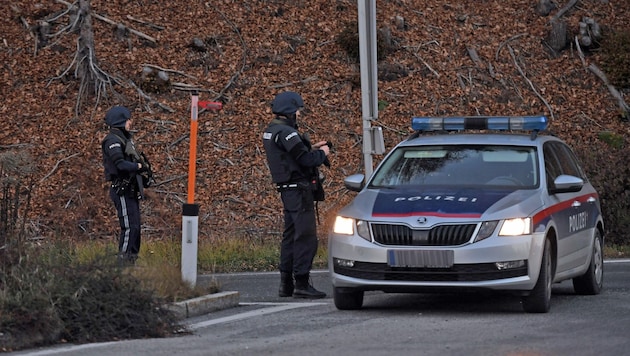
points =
(314, 186)
(301, 185)
(124, 186)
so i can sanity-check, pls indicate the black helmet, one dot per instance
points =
(117, 116)
(287, 103)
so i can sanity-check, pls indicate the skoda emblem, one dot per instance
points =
(422, 220)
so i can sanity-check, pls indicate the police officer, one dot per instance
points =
(125, 191)
(293, 163)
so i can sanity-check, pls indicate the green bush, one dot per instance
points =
(614, 140)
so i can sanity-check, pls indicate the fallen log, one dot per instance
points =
(623, 106)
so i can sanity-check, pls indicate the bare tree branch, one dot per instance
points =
(496, 55)
(169, 70)
(111, 22)
(56, 166)
(150, 99)
(566, 8)
(531, 85)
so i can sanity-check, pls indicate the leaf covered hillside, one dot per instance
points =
(440, 57)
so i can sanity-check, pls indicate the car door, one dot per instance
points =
(574, 213)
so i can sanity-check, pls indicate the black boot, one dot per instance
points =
(286, 284)
(304, 289)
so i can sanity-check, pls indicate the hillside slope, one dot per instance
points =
(255, 49)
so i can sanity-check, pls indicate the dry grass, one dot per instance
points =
(166, 281)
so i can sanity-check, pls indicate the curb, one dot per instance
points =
(204, 304)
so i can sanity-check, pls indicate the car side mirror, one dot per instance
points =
(354, 182)
(566, 184)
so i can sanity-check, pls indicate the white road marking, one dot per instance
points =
(58, 350)
(274, 308)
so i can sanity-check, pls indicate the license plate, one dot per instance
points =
(420, 258)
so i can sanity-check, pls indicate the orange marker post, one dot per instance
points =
(190, 211)
(192, 161)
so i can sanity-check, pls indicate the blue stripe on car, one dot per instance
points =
(465, 203)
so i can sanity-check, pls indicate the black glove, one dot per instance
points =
(143, 168)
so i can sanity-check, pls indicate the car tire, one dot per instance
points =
(591, 282)
(347, 298)
(539, 299)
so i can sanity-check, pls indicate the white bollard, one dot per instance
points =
(190, 225)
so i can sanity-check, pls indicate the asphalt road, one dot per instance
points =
(410, 324)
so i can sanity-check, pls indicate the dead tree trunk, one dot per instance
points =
(93, 81)
(85, 49)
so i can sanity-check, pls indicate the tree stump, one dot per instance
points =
(557, 38)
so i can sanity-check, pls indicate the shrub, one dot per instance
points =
(27, 316)
(48, 294)
(48, 297)
(16, 182)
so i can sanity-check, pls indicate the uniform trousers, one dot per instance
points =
(299, 239)
(128, 212)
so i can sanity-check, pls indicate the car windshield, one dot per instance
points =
(483, 166)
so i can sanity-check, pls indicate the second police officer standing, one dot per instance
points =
(293, 163)
(128, 172)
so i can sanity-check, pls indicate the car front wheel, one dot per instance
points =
(347, 298)
(539, 299)
(591, 282)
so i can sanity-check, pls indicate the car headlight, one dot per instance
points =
(516, 227)
(343, 226)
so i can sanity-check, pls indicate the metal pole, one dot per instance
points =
(369, 76)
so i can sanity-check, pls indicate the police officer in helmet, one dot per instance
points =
(293, 163)
(121, 170)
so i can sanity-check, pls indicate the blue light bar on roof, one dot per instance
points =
(524, 123)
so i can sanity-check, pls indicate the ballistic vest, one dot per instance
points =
(278, 140)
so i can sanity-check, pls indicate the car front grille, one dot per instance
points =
(402, 235)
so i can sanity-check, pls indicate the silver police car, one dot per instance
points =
(469, 209)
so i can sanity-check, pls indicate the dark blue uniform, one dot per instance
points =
(293, 166)
(120, 171)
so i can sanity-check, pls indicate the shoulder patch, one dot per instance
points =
(290, 136)
(267, 136)
(114, 145)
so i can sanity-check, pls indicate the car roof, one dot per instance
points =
(517, 139)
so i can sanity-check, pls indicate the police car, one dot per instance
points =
(492, 208)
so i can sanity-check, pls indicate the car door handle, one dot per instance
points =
(576, 204)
